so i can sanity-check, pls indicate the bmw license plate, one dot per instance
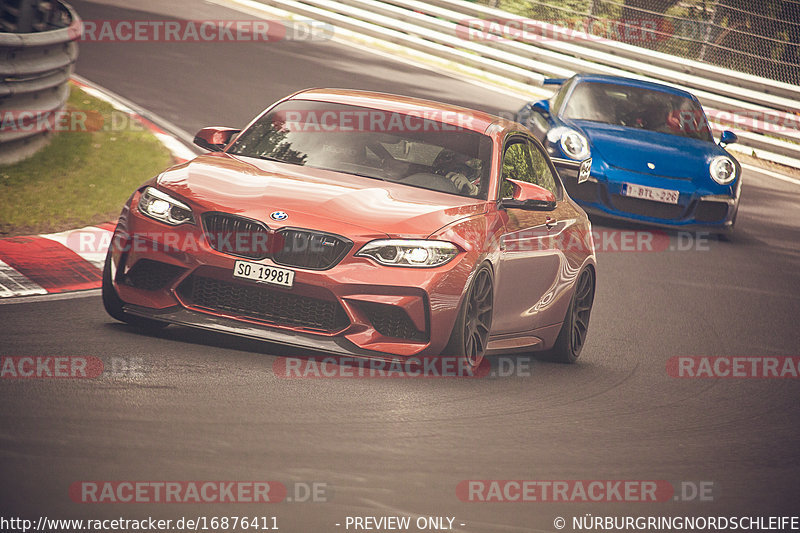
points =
(263, 273)
(655, 194)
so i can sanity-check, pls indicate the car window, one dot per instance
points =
(413, 151)
(638, 107)
(592, 101)
(409, 149)
(542, 174)
(524, 162)
(558, 97)
(516, 165)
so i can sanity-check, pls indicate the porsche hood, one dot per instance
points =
(649, 152)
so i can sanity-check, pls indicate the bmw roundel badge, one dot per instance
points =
(279, 215)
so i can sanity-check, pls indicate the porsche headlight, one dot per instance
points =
(164, 208)
(722, 170)
(572, 143)
(409, 253)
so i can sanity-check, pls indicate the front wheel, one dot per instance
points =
(113, 304)
(470, 335)
(572, 337)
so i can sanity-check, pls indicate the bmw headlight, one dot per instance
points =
(409, 253)
(722, 170)
(572, 143)
(164, 208)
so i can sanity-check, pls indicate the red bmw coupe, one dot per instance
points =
(365, 224)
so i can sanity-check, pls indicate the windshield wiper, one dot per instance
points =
(270, 158)
(370, 176)
(264, 157)
(355, 174)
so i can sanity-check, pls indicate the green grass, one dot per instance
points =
(80, 178)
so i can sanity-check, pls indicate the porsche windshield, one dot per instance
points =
(637, 107)
(431, 152)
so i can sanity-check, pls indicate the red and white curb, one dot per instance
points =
(54, 263)
(70, 260)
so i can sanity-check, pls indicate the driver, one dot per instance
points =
(462, 172)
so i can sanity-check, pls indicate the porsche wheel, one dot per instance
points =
(471, 331)
(572, 337)
(113, 304)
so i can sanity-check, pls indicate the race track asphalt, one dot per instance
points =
(203, 406)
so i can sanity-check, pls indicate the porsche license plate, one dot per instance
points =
(655, 194)
(263, 273)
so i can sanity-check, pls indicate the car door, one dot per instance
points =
(529, 264)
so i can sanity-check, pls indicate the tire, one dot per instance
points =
(726, 236)
(113, 304)
(572, 336)
(470, 334)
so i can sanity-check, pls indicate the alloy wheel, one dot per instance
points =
(478, 319)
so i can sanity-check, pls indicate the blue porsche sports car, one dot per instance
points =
(653, 158)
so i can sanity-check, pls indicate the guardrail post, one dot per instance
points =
(35, 68)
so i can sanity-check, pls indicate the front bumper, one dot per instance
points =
(356, 307)
(186, 317)
(696, 209)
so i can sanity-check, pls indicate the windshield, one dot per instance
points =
(637, 107)
(412, 150)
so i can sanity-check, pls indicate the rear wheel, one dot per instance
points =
(470, 335)
(572, 337)
(113, 304)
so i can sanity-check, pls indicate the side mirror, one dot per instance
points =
(728, 137)
(214, 139)
(541, 106)
(529, 197)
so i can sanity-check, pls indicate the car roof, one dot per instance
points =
(470, 119)
(631, 82)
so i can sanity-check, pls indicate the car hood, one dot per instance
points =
(632, 149)
(315, 199)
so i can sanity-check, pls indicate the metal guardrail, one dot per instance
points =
(623, 51)
(35, 69)
(764, 113)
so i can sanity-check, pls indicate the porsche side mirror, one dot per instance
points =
(542, 107)
(728, 137)
(214, 139)
(529, 197)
